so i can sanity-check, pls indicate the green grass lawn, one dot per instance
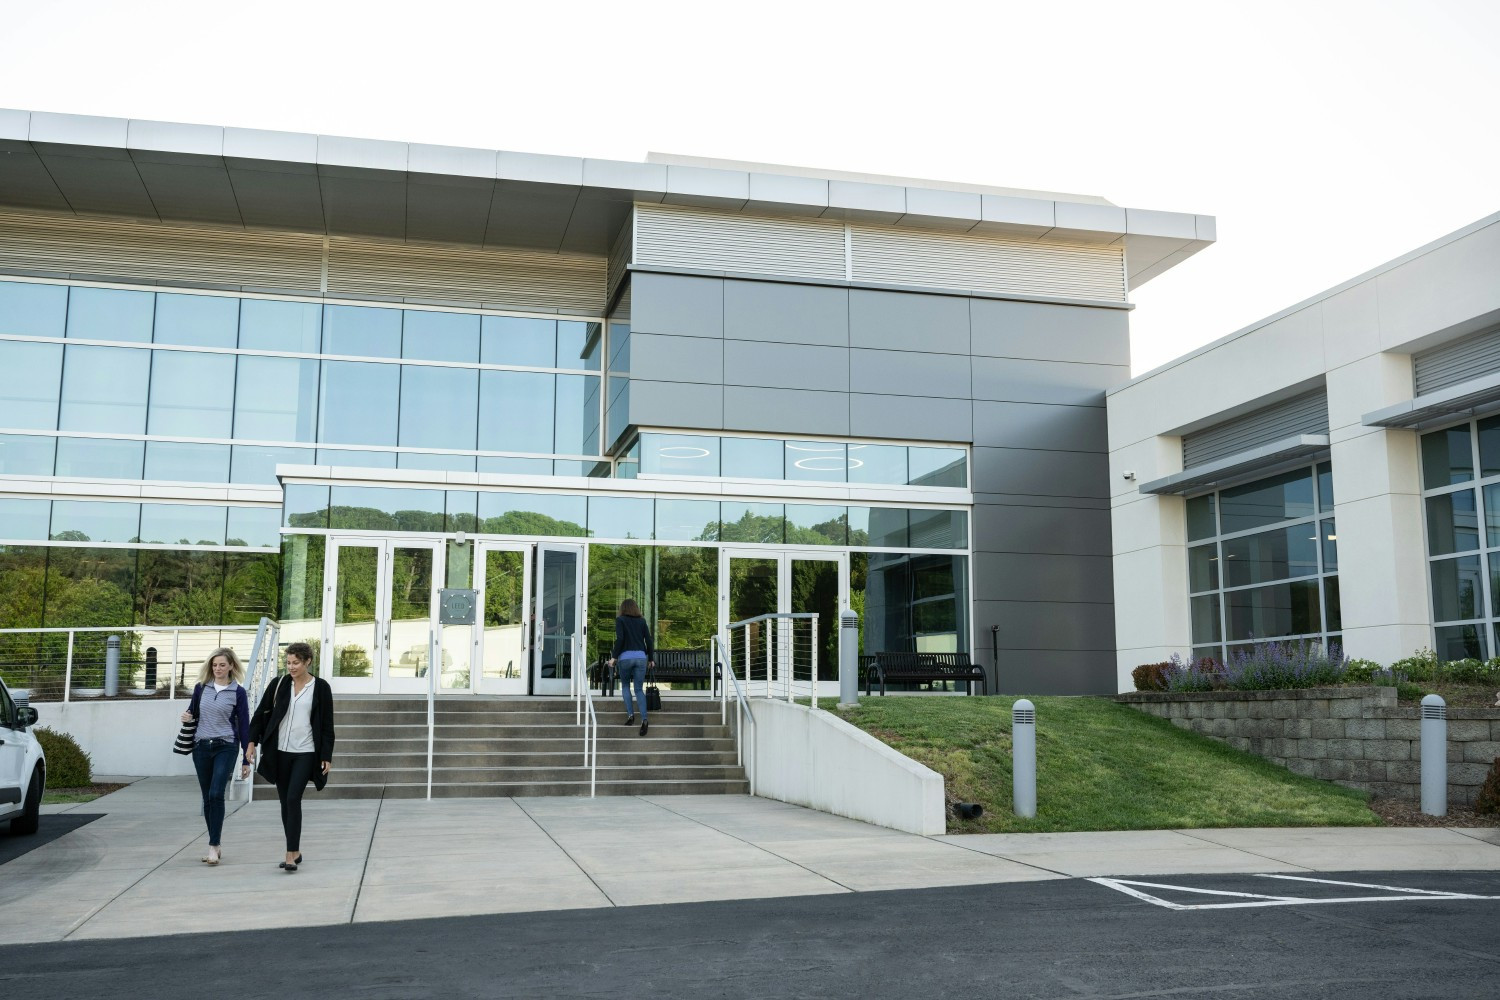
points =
(71, 796)
(1100, 766)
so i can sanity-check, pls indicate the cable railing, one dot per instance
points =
(777, 654)
(64, 664)
(727, 681)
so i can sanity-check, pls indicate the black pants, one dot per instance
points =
(293, 772)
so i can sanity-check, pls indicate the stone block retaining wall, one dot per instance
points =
(1355, 736)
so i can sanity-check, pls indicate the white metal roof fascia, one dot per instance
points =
(933, 204)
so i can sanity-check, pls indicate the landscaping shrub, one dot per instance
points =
(1420, 666)
(67, 765)
(1363, 672)
(1488, 802)
(1194, 675)
(1151, 676)
(1276, 665)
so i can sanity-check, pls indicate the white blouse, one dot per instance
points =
(296, 726)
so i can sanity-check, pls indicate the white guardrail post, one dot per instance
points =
(68, 671)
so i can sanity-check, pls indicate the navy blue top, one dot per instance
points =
(632, 635)
(216, 717)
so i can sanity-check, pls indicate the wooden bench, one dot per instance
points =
(676, 666)
(913, 668)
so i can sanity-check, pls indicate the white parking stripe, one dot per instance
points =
(1247, 900)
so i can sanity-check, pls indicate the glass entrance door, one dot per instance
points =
(380, 613)
(754, 583)
(558, 639)
(502, 574)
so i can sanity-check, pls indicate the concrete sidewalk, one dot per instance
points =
(136, 871)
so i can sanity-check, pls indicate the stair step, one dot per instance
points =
(417, 790)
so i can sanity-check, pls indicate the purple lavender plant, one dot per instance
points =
(1276, 665)
(1192, 675)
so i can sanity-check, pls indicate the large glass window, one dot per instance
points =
(1262, 562)
(1463, 536)
(95, 521)
(516, 411)
(192, 395)
(276, 399)
(270, 325)
(32, 310)
(104, 389)
(439, 408)
(27, 455)
(196, 320)
(358, 402)
(110, 314)
(32, 373)
(435, 336)
(362, 331)
(183, 462)
(99, 458)
(702, 457)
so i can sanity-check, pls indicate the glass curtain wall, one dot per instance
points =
(262, 381)
(1461, 496)
(1263, 562)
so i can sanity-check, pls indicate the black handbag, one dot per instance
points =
(653, 698)
(189, 731)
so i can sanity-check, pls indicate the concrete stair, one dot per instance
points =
(527, 746)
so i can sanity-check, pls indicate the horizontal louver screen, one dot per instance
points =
(1305, 414)
(513, 279)
(743, 244)
(967, 262)
(668, 236)
(619, 258)
(1457, 362)
(111, 249)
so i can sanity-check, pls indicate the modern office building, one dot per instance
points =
(1330, 473)
(258, 373)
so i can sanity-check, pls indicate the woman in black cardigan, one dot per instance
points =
(294, 722)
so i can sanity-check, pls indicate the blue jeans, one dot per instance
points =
(214, 761)
(633, 670)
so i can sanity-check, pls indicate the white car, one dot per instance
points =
(23, 767)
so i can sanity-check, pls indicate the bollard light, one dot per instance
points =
(1023, 758)
(112, 666)
(848, 659)
(1434, 755)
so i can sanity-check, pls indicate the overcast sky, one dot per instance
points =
(1326, 137)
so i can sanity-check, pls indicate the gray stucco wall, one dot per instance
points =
(1022, 382)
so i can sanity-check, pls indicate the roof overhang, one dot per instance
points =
(1241, 467)
(1467, 399)
(169, 172)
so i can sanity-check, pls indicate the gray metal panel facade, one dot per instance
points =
(1460, 361)
(1022, 382)
(1304, 414)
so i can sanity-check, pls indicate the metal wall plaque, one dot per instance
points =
(457, 607)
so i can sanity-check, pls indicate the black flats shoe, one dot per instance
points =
(291, 866)
(645, 726)
(629, 720)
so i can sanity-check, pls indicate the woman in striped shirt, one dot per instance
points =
(221, 707)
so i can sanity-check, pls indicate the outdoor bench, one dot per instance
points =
(910, 668)
(671, 665)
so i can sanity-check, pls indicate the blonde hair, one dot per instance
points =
(236, 668)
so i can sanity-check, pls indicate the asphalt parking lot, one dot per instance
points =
(1406, 935)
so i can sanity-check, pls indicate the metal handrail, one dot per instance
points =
(434, 664)
(263, 656)
(727, 678)
(591, 744)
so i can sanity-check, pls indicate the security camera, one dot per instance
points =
(1128, 474)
